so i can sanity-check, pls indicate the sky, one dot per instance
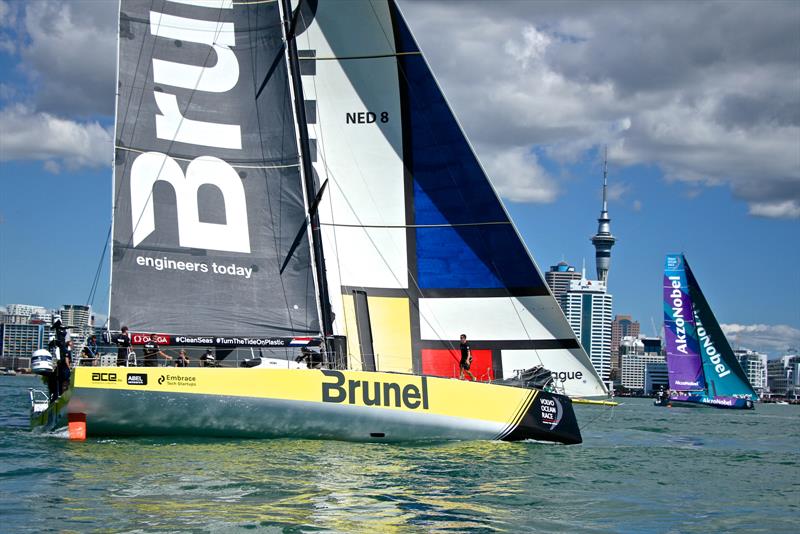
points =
(697, 102)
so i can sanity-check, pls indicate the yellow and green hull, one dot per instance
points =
(323, 404)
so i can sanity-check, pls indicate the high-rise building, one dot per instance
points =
(783, 376)
(603, 240)
(635, 353)
(559, 277)
(25, 309)
(17, 343)
(621, 326)
(587, 306)
(754, 365)
(78, 318)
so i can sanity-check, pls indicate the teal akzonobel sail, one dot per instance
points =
(703, 370)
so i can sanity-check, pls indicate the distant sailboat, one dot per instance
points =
(703, 370)
(295, 176)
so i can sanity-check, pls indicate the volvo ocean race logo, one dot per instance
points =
(673, 263)
(551, 411)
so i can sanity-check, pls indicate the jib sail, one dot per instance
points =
(418, 247)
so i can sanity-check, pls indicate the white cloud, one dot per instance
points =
(787, 209)
(70, 55)
(25, 134)
(616, 190)
(706, 91)
(774, 339)
(517, 175)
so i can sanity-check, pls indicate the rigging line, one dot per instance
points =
(95, 282)
(286, 166)
(401, 226)
(389, 41)
(368, 56)
(180, 123)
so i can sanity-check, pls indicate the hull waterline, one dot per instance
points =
(700, 401)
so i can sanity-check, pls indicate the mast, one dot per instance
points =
(307, 170)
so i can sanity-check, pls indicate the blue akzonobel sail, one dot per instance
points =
(683, 353)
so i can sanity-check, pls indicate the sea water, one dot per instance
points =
(641, 468)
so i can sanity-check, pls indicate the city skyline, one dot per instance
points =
(704, 144)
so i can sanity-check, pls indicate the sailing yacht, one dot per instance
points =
(293, 175)
(702, 368)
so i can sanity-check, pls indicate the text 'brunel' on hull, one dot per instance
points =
(374, 392)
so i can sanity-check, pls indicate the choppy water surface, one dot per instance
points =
(640, 469)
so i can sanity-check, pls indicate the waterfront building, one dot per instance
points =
(603, 240)
(78, 318)
(559, 277)
(656, 376)
(621, 326)
(587, 306)
(754, 365)
(25, 309)
(634, 359)
(18, 342)
(783, 376)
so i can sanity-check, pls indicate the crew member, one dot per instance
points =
(182, 360)
(312, 359)
(151, 351)
(123, 341)
(61, 341)
(466, 359)
(89, 351)
(208, 359)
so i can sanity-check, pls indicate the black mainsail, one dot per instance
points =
(208, 196)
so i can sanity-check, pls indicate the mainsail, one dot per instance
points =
(418, 247)
(723, 373)
(683, 352)
(208, 196)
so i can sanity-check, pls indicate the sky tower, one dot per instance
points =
(603, 240)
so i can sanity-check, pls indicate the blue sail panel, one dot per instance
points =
(477, 244)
